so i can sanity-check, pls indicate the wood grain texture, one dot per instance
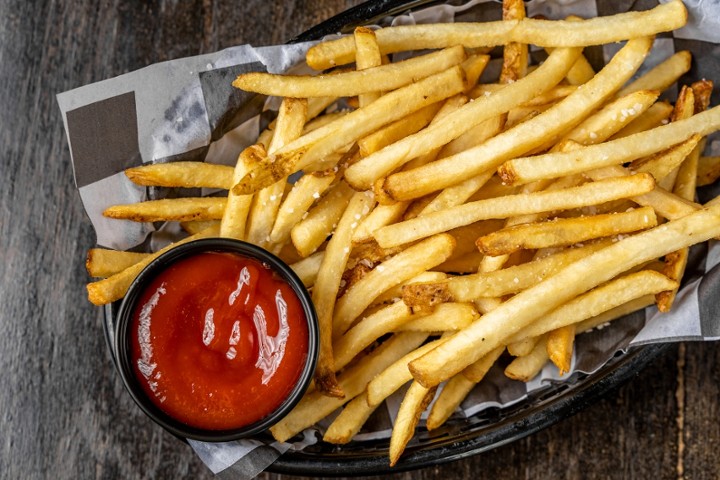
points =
(63, 410)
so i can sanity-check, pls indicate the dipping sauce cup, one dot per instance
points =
(216, 340)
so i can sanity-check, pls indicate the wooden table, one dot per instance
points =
(64, 411)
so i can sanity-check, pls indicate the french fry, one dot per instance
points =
(525, 137)
(367, 55)
(397, 130)
(496, 283)
(327, 285)
(395, 293)
(615, 313)
(170, 209)
(182, 174)
(353, 126)
(658, 114)
(196, 226)
(311, 232)
(597, 301)
(298, 200)
(261, 217)
(565, 231)
(515, 54)
(512, 206)
(458, 387)
(685, 185)
(315, 406)
(522, 347)
(395, 375)
(346, 84)
(663, 163)
(527, 367)
(444, 317)
(448, 400)
(115, 286)
(559, 345)
(611, 118)
(380, 216)
(476, 371)
(350, 421)
(478, 339)
(615, 152)
(403, 266)
(708, 170)
(560, 33)
(369, 329)
(663, 75)
(308, 268)
(236, 212)
(416, 400)
(362, 174)
(101, 262)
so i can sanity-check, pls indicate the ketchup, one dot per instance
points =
(219, 340)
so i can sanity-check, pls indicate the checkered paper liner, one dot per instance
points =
(186, 109)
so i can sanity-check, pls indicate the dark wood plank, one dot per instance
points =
(64, 411)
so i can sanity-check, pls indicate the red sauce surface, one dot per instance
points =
(201, 349)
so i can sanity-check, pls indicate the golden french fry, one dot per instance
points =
(559, 346)
(565, 231)
(380, 216)
(101, 262)
(615, 152)
(403, 266)
(522, 347)
(346, 84)
(708, 170)
(237, 209)
(327, 285)
(611, 118)
(513, 205)
(560, 33)
(315, 406)
(596, 302)
(522, 138)
(298, 200)
(395, 293)
(362, 174)
(515, 54)
(476, 371)
(663, 75)
(261, 217)
(170, 209)
(448, 400)
(663, 163)
(685, 185)
(397, 130)
(527, 367)
(182, 174)
(321, 220)
(308, 268)
(458, 387)
(367, 55)
(415, 402)
(479, 338)
(467, 288)
(658, 114)
(196, 226)
(615, 313)
(395, 376)
(114, 287)
(350, 421)
(444, 317)
(368, 330)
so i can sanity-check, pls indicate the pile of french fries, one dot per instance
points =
(440, 222)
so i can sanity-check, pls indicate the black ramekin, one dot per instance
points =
(124, 320)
